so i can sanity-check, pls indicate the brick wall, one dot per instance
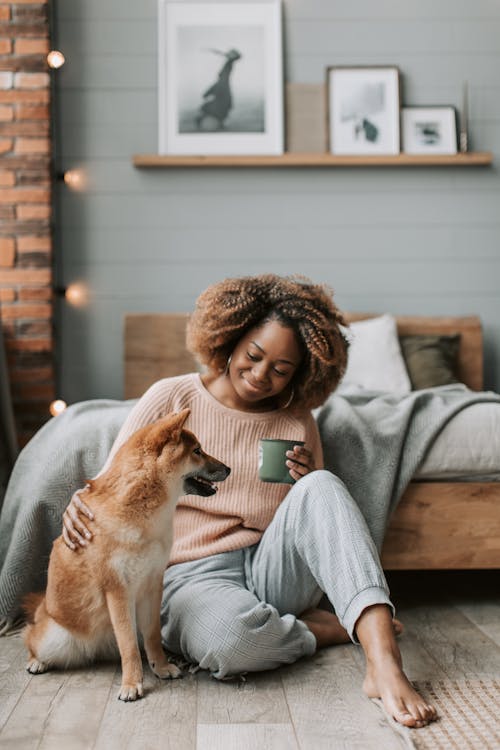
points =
(25, 210)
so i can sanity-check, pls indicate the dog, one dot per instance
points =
(99, 596)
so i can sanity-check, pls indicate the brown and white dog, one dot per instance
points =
(99, 596)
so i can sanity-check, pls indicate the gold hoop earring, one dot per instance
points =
(226, 371)
(292, 394)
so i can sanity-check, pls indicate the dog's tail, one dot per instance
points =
(30, 605)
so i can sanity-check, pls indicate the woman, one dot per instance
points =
(249, 566)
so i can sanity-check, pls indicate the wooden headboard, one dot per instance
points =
(155, 346)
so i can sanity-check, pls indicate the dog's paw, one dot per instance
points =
(166, 671)
(130, 692)
(36, 667)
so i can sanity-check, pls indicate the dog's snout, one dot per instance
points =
(219, 472)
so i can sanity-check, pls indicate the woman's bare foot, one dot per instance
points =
(328, 631)
(325, 627)
(385, 678)
(387, 681)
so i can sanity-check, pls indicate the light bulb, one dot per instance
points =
(75, 179)
(55, 59)
(77, 294)
(57, 407)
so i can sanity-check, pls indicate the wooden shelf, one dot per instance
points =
(472, 159)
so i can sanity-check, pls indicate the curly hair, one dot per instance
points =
(228, 309)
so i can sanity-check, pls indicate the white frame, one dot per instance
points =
(345, 93)
(174, 15)
(445, 115)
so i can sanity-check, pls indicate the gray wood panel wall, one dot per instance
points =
(406, 241)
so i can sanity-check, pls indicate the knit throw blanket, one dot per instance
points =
(374, 442)
(68, 450)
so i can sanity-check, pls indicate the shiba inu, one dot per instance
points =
(99, 596)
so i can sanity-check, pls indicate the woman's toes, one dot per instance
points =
(430, 713)
(405, 718)
(398, 626)
(423, 710)
(423, 714)
(408, 714)
(400, 712)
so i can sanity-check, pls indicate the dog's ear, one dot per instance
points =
(177, 422)
(165, 430)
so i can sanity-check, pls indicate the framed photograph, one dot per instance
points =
(363, 110)
(429, 130)
(220, 78)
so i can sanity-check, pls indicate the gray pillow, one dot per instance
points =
(431, 360)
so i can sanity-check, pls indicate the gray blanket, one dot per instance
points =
(67, 451)
(374, 442)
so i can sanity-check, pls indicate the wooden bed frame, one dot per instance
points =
(437, 525)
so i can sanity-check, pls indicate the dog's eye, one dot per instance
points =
(197, 451)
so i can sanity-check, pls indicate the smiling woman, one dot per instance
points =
(228, 313)
(250, 563)
(259, 370)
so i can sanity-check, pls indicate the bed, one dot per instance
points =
(463, 512)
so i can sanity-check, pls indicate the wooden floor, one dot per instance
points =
(452, 631)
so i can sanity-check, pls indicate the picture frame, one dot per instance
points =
(363, 108)
(429, 130)
(220, 78)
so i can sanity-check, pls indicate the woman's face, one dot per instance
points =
(263, 363)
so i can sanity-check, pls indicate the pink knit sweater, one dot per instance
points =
(237, 515)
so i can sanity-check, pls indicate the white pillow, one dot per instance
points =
(375, 361)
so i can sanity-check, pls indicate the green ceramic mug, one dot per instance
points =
(272, 460)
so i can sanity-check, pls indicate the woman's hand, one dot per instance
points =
(300, 461)
(74, 530)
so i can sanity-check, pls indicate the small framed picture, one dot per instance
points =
(429, 130)
(363, 110)
(220, 78)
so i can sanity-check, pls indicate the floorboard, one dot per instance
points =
(246, 737)
(26, 724)
(452, 630)
(458, 646)
(328, 708)
(485, 616)
(259, 699)
(75, 714)
(14, 678)
(165, 718)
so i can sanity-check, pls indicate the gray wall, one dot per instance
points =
(407, 241)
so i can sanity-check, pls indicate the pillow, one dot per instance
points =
(375, 361)
(468, 445)
(431, 360)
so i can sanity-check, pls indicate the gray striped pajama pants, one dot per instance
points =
(237, 611)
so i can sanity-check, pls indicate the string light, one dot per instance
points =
(75, 179)
(55, 59)
(57, 407)
(77, 294)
